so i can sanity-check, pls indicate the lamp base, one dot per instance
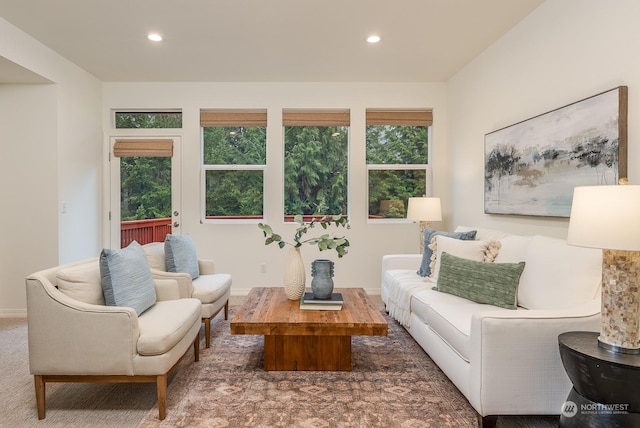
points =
(620, 316)
(617, 349)
(423, 226)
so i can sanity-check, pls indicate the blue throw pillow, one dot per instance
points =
(425, 265)
(180, 255)
(126, 278)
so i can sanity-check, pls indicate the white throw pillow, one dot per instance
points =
(155, 255)
(81, 282)
(471, 250)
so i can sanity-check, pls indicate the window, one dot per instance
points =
(316, 157)
(148, 119)
(233, 163)
(397, 159)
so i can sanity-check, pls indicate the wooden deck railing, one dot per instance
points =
(144, 231)
(156, 230)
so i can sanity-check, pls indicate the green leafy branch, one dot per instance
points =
(324, 242)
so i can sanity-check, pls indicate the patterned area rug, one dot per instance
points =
(393, 384)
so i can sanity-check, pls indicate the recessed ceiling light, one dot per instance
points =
(155, 37)
(373, 38)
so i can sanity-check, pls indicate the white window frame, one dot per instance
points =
(402, 167)
(226, 167)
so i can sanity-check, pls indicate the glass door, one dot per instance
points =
(145, 183)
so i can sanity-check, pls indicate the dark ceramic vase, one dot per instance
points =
(322, 282)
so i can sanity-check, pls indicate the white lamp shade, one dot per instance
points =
(424, 209)
(606, 217)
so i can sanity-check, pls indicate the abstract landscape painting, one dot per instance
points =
(531, 167)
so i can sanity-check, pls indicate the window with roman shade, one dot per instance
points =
(233, 163)
(397, 155)
(316, 160)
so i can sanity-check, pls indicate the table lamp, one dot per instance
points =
(608, 217)
(424, 210)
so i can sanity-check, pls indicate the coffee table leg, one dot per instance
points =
(307, 353)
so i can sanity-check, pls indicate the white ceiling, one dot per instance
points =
(267, 40)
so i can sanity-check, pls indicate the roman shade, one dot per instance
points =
(233, 118)
(143, 147)
(400, 117)
(315, 117)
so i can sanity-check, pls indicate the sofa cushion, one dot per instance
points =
(487, 283)
(126, 278)
(513, 249)
(180, 255)
(165, 324)
(559, 275)
(155, 255)
(452, 322)
(81, 282)
(210, 288)
(472, 250)
(421, 300)
(425, 265)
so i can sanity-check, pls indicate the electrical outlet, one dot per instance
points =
(263, 268)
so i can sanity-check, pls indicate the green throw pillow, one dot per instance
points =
(481, 282)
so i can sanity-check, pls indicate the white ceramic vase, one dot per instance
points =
(294, 275)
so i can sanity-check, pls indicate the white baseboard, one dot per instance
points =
(13, 313)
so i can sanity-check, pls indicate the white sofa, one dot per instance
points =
(75, 337)
(505, 362)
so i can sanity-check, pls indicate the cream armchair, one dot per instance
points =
(74, 337)
(212, 289)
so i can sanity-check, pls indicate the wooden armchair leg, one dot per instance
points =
(161, 386)
(207, 331)
(196, 348)
(41, 403)
(226, 310)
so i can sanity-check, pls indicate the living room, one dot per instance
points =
(562, 52)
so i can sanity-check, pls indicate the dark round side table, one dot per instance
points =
(606, 385)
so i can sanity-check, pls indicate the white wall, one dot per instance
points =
(239, 248)
(53, 134)
(28, 216)
(565, 51)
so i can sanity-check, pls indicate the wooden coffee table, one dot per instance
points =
(297, 339)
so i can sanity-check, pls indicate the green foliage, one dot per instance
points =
(234, 192)
(324, 241)
(387, 144)
(134, 120)
(235, 145)
(315, 170)
(395, 145)
(145, 190)
(145, 182)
